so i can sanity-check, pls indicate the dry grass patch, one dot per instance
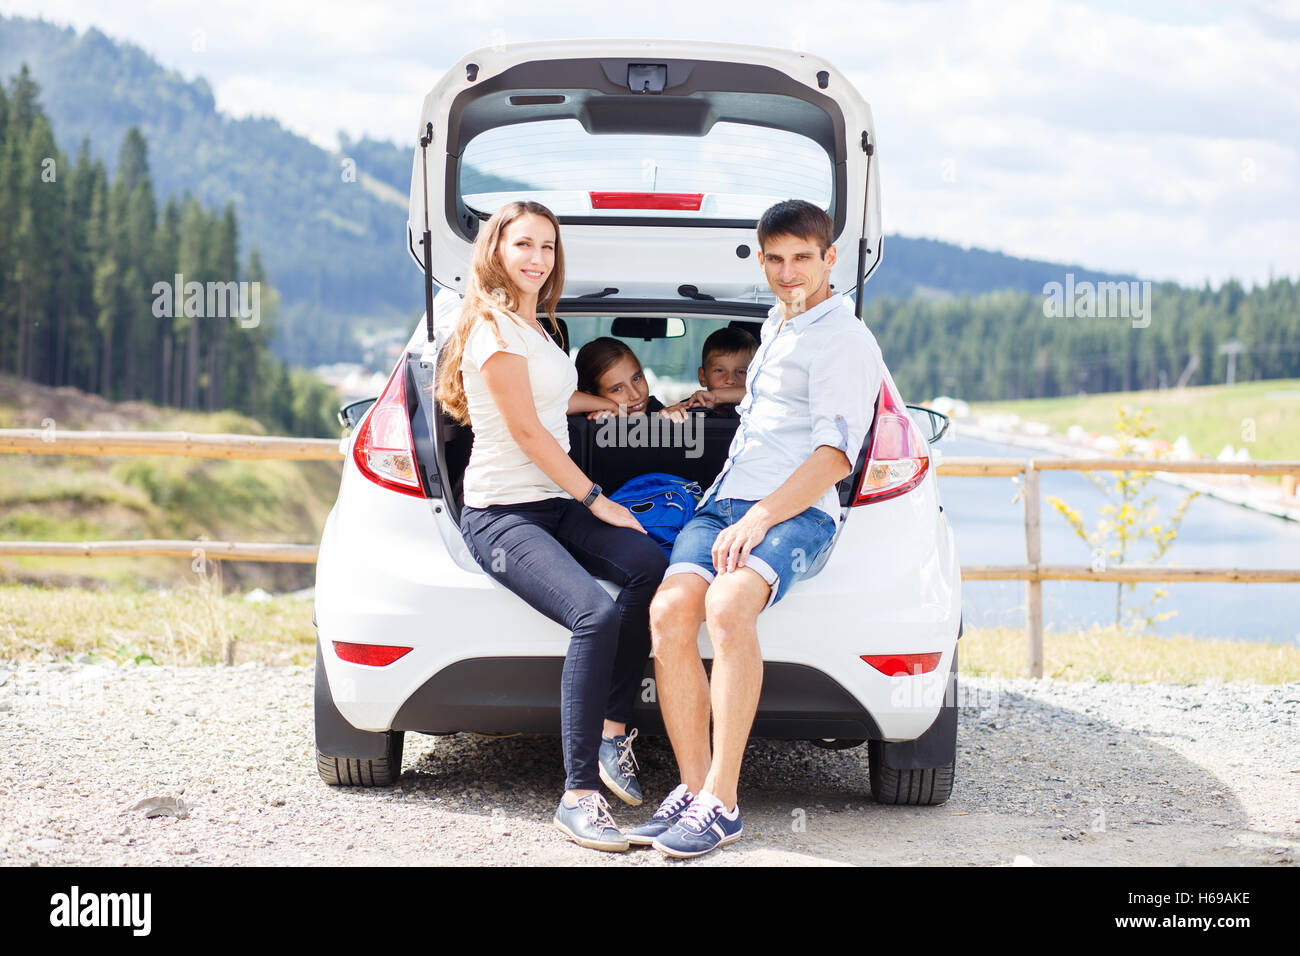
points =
(1111, 654)
(189, 625)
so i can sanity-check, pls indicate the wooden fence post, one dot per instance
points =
(1034, 556)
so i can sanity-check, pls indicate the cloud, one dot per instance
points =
(1155, 139)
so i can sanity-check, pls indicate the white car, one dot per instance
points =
(658, 157)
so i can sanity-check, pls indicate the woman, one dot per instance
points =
(535, 522)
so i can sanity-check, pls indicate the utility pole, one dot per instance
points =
(1232, 349)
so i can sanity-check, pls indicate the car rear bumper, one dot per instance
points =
(522, 695)
(417, 587)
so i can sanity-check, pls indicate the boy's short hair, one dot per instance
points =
(798, 218)
(727, 341)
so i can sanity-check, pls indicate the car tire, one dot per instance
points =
(930, 786)
(360, 772)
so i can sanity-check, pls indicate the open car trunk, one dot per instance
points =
(695, 450)
(658, 157)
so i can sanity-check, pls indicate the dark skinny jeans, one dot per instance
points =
(549, 552)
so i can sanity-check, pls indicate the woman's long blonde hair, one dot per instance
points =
(489, 288)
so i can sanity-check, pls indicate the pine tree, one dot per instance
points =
(104, 239)
(134, 206)
(190, 264)
(166, 251)
(250, 361)
(8, 202)
(225, 268)
(36, 245)
(75, 294)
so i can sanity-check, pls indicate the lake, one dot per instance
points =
(990, 530)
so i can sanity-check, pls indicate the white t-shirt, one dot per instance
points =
(499, 473)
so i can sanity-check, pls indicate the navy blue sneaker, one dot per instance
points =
(703, 827)
(617, 767)
(669, 812)
(589, 824)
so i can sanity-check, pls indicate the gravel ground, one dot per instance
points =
(1051, 772)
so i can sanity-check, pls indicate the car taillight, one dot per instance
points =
(625, 200)
(373, 655)
(898, 458)
(904, 665)
(384, 450)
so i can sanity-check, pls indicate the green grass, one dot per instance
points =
(195, 624)
(130, 497)
(1111, 654)
(1210, 416)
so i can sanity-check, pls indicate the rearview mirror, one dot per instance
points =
(933, 425)
(647, 327)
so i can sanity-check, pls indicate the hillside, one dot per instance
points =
(95, 498)
(1262, 417)
(334, 248)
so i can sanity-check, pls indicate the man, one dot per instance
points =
(807, 405)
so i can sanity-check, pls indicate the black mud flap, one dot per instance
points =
(937, 747)
(335, 737)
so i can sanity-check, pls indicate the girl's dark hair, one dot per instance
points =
(595, 358)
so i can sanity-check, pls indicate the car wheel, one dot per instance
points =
(918, 787)
(361, 772)
(346, 756)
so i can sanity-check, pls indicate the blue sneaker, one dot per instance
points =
(669, 812)
(703, 827)
(617, 767)
(589, 824)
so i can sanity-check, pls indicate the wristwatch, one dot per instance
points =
(592, 495)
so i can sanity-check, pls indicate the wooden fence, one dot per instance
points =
(1033, 572)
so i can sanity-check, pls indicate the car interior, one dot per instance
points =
(697, 455)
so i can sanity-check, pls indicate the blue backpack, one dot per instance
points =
(663, 504)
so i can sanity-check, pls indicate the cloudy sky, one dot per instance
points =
(1156, 137)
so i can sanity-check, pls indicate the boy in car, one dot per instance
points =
(723, 364)
(808, 403)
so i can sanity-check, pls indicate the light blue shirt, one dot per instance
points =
(813, 383)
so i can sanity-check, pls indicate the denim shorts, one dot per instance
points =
(783, 556)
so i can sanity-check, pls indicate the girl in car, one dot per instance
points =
(535, 522)
(608, 368)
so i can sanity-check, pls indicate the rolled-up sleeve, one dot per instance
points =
(844, 380)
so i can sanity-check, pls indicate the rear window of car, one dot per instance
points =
(735, 171)
(670, 364)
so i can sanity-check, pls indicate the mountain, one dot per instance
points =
(293, 199)
(334, 243)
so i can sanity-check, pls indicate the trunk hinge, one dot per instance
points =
(425, 140)
(435, 418)
(864, 241)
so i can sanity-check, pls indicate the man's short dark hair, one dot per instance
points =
(798, 218)
(727, 341)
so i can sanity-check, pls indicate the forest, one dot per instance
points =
(87, 266)
(1003, 345)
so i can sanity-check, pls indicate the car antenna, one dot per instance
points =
(425, 140)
